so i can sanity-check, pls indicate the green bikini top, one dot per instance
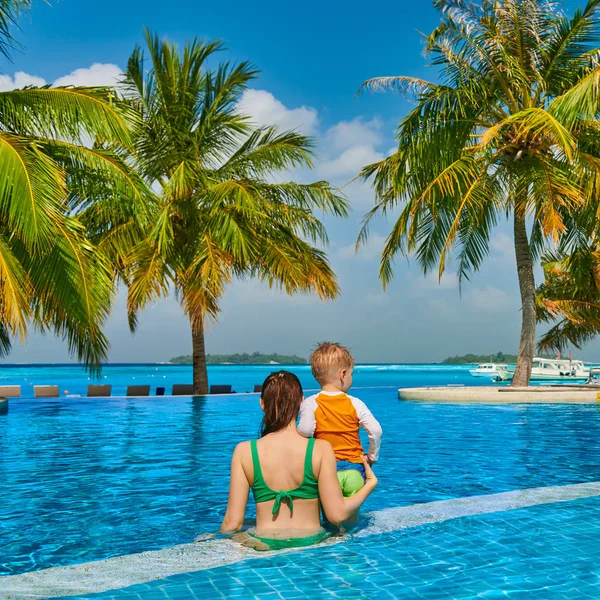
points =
(308, 489)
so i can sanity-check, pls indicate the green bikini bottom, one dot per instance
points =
(281, 543)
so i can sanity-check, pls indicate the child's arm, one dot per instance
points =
(307, 423)
(371, 426)
(338, 509)
(239, 489)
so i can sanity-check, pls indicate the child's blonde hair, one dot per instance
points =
(327, 359)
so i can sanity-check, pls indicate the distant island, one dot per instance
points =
(255, 358)
(499, 357)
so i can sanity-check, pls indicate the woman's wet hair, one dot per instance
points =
(281, 395)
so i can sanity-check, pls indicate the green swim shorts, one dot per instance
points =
(351, 481)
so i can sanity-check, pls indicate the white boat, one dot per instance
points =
(488, 370)
(552, 369)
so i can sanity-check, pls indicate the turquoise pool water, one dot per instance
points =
(542, 552)
(84, 480)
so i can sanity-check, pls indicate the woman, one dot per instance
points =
(291, 476)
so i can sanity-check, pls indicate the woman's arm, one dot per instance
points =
(337, 508)
(238, 492)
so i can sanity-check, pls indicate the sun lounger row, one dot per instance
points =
(104, 391)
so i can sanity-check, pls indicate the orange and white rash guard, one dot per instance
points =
(336, 417)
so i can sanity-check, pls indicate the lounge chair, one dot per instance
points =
(10, 391)
(220, 389)
(138, 390)
(45, 391)
(258, 389)
(99, 391)
(182, 389)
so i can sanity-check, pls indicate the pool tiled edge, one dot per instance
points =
(124, 571)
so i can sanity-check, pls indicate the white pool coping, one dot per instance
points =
(123, 571)
(502, 395)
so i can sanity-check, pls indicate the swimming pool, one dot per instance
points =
(84, 480)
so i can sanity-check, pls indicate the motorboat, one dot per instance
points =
(551, 369)
(488, 370)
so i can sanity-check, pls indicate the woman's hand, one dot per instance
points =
(371, 478)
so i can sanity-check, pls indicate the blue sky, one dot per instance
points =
(313, 58)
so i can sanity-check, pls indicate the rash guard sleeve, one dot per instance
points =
(307, 423)
(371, 426)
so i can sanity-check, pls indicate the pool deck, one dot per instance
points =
(560, 394)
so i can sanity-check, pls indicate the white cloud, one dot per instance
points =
(98, 74)
(489, 299)
(265, 109)
(360, 195)
(357, 140)
(350, 162)
(345, 148)
(19, 81)
(370, 251)
(357, 132)
(432, 282)
(252, 292)
(502, 245)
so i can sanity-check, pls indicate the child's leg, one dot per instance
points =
(351, 482)
(352, 479)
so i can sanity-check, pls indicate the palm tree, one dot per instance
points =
(223, 211)
(570, 297)
(51, 275)
(510, 129)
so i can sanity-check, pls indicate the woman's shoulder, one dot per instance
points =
(243, 448)
(323, 448)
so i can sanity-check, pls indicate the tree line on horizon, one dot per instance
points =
(256, 358)
(163, 186)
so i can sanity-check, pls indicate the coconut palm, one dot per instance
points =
(224, 211)
(570, 297)
(510, 129)
(51, 275)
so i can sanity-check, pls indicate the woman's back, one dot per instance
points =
(287, 473)
(284, 462)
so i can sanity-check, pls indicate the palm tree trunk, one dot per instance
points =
(528, 312)
(199, 356)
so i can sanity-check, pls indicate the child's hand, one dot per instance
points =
(366, 457)
(369, 474)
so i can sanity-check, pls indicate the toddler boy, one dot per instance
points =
(335, 416)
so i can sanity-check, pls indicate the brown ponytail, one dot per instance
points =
(281, 396)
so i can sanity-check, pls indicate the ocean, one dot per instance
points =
(73, 380)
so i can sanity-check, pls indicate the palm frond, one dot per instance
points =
(10, 10)
(70, 113)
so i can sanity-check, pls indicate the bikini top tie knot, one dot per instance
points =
(308, 489)
(283, 495)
